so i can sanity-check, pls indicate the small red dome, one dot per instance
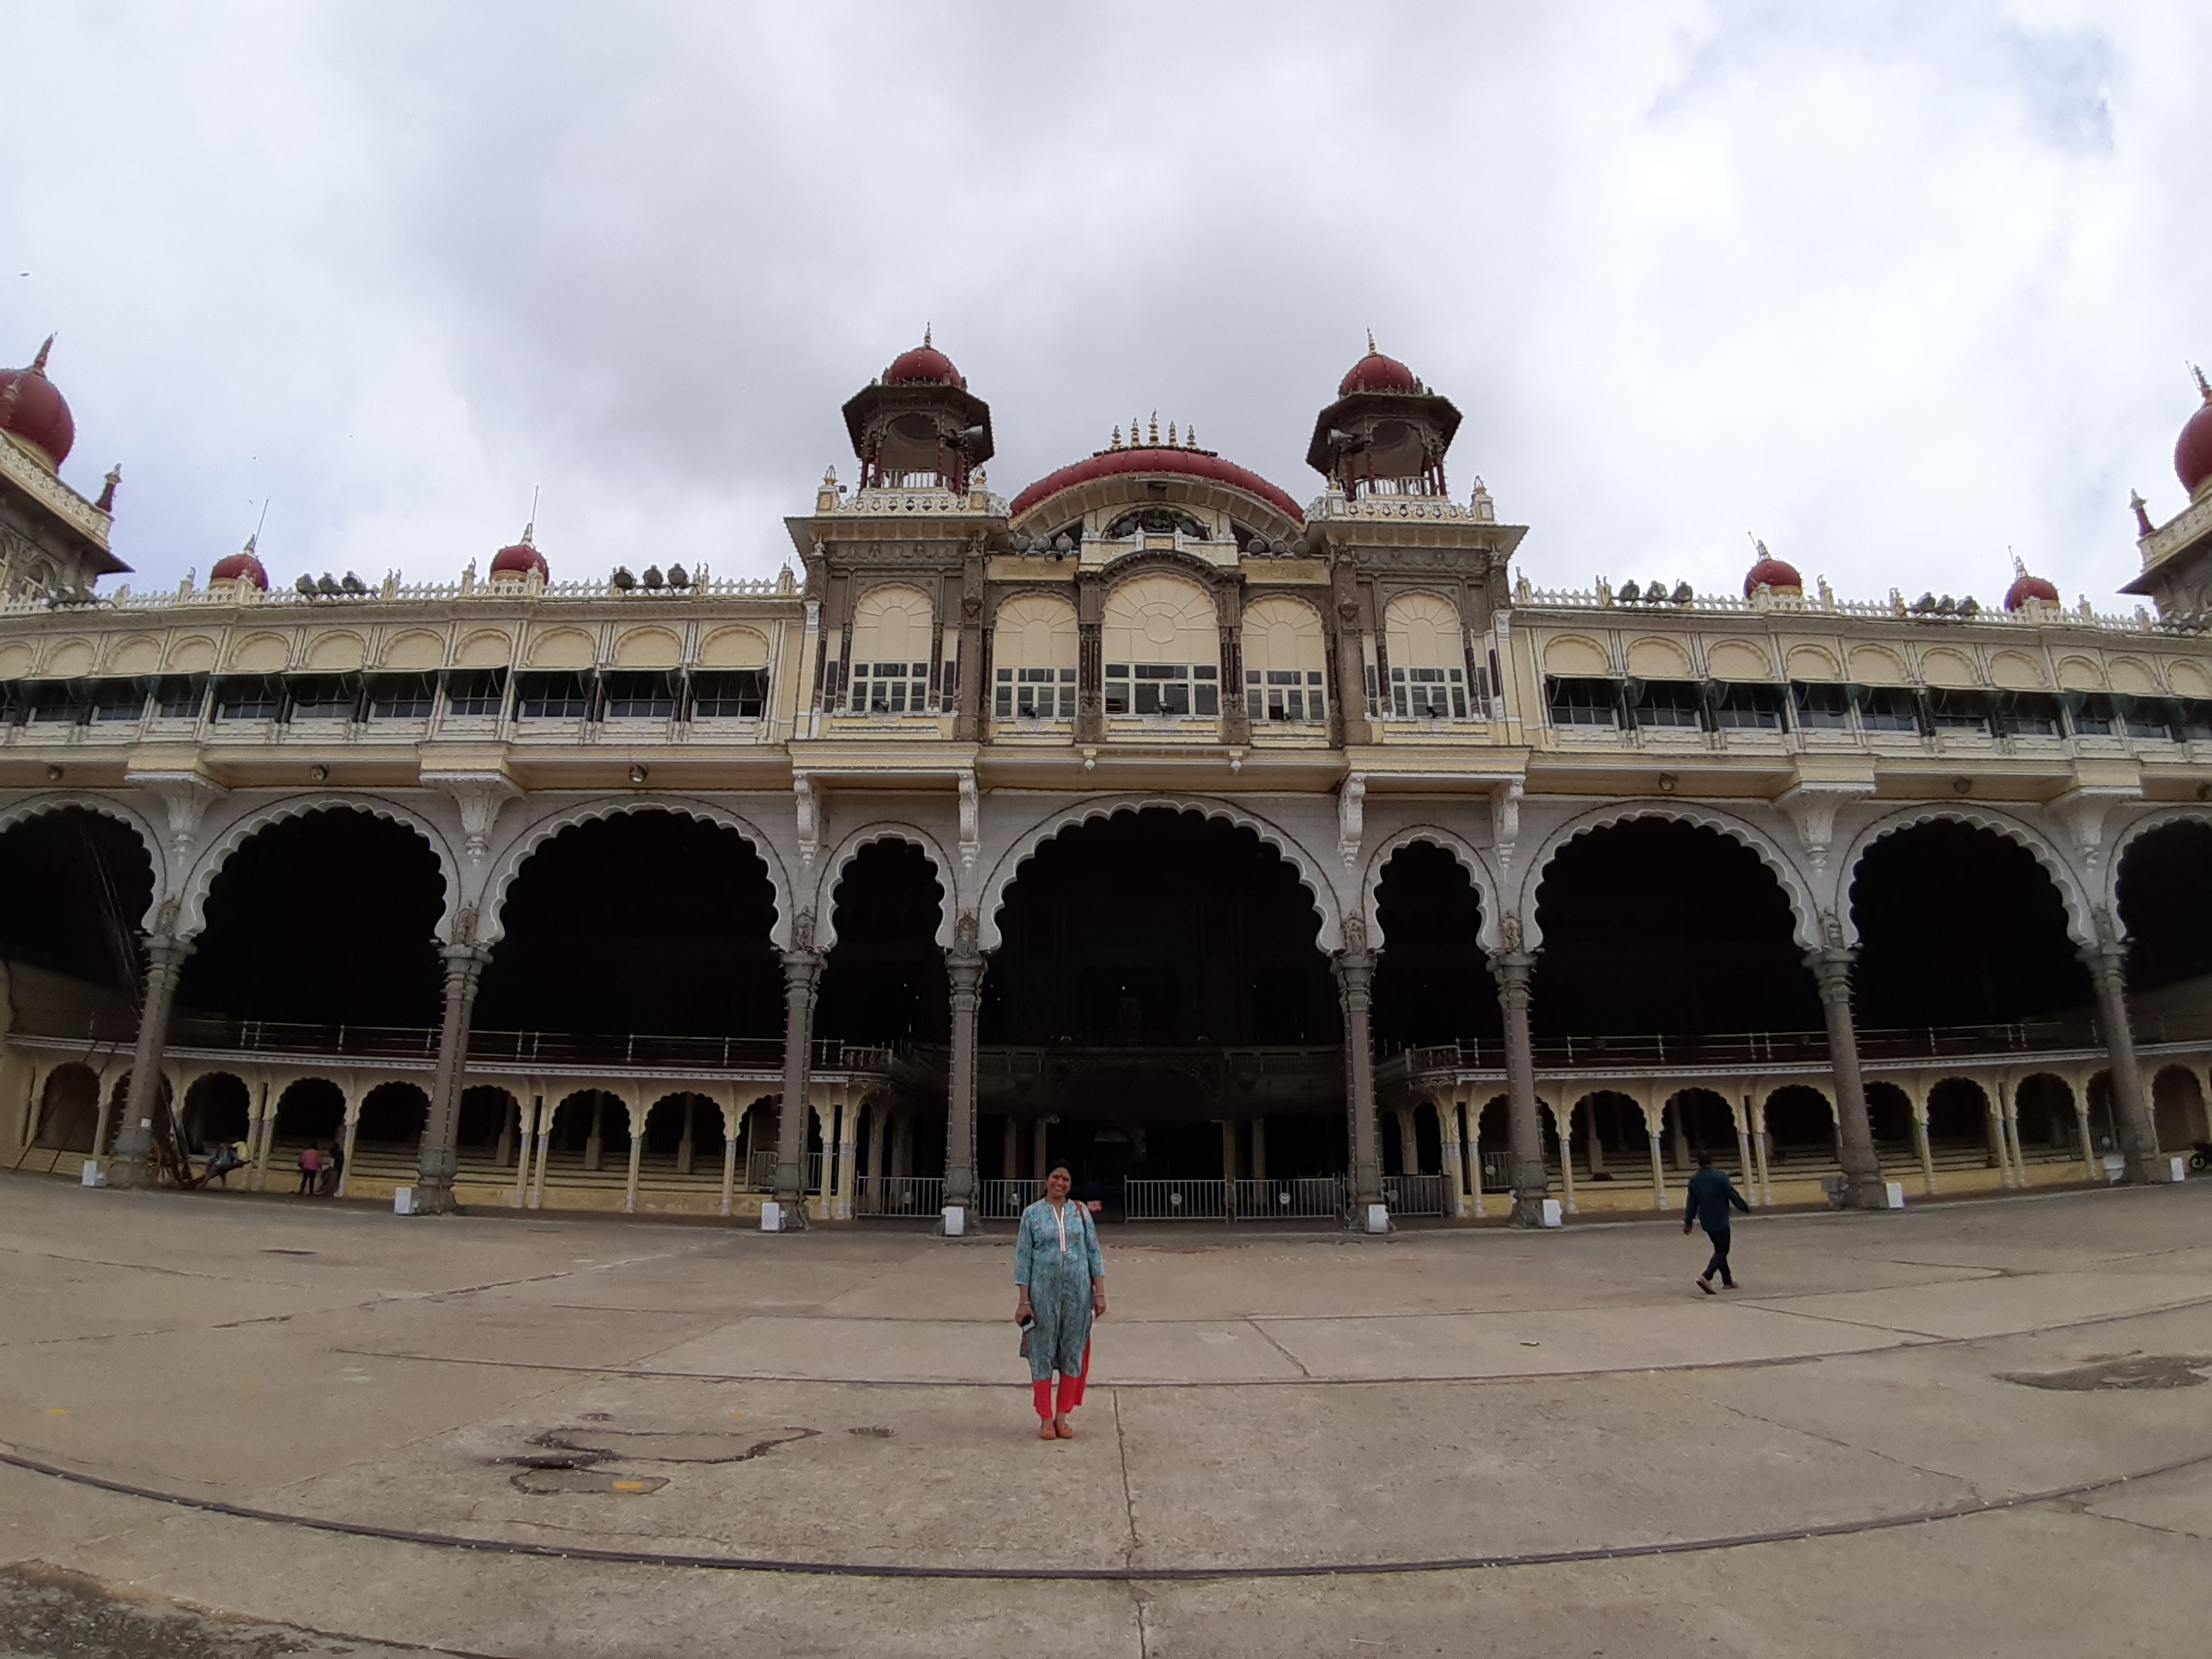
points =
(2026, 587)
(519, 559)
(34, 411)
(923, 365)
(1771, 572)
(1375, 373)
(2193, 453)
(240, 564)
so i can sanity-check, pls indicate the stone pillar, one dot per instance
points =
(506, 1132)
(1832, 972)
(1743, 1154)
(1531, 1184)
(1229, 1149)
(545, 1116)
(633, 1115)
(434, 1182)
(1654, 1115)
(2090, 1162)
(595, 1143)
(1010, 1150)
(875, 1171)
(965, 966)
(526, 1120)
(1454, 1171)
(1678, 1133)
(1355, 979)
(1759, 1145)
(134, 1139)
(2008, 1170)
(265, 1131)
(1042, 1139)
(352, 1132)
(1993, 1136)
(2108, 965)
(730, 1133)
(802, 975)
(686, 1148)
(848, 1136)
(1595, 1140)
(1918, 1097)
(1474, 1155)
(1565, 1126)
(1258, 1149)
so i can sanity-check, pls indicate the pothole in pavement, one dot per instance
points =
(568, 1460)
(2129, 1372)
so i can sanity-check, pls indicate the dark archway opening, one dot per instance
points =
(218, 1108)
(2044, 1108)
(324, 919)
(645, 922)
(1959, 927)
(69, 1115)
(1432, 982)
(1658, 928)
(76, 884)
(886, 982)
(2166, 905)
(1159, 975)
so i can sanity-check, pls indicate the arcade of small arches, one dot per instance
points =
(675, 1005)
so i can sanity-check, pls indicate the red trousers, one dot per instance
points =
(1071, 1390)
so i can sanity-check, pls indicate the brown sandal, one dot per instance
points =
(1046, 1432)
(1062, 1429)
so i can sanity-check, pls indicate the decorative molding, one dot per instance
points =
(479, 795)
(1351, 817)
(1812, 806)
(971, 832)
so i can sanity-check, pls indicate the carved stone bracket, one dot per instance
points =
(807, 808)
(479, 795)
(2083, 812)
(1813, 808)
(1351, 819)
(971, 817)
(184, 797)
(1505, 821)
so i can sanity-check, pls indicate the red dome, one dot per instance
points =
(519, 559)
(240, 564)
(1375, 373)
(32, 410)
(1771, 572)
(1189, 463)
(2192, 454)
(923, 365)
(2026, 587)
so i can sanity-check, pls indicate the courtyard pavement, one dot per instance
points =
(1974, 1428)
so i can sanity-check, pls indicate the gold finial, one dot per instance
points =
(1371, 343)
(1190, 437)
(2018, 568)
(1116, 444)
(1172, 434)
(2203, 386)
(1135, 442)
(925, 337)
(1154, 437)
(39, 364)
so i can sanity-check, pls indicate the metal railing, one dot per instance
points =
(1302, 1198)
(1415, 1194)
(1004, 1200)
(1175, 1201)
(760, 1171)
(897, 1196)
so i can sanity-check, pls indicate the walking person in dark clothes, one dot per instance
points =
(1710, 1194)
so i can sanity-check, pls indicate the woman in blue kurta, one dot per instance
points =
(1059, 1275)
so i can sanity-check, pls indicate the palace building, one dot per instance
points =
(1258, 860)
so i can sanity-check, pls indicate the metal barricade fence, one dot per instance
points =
(760, 1171)
(1305, 1197)
(1497, 1171)
(1175, 1201)
(898, 1195)
(1414, 1195)
(1004, 1200)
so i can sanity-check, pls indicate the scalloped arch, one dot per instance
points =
(1007, 869)
(1467, 856)
(2160, 819)
(1795, 886)
(35, 806)
(2081, 925)
(833, 872)
(491, 924)
(191, 914)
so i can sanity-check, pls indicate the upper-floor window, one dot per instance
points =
(1427, 658)
(1742, 705)
(1667, 704)
(246, 697)
(179, 697)
(1959, 710)
(321, 697)
(552, 694)
(648, 694)
(2029, 715)
(1822, 707)
(1163, 648)
(889, 688)
(1033, 650)
(401, 696)
(729, 694)
(1888, 708)
(119, 700)
(476, 693)
(1584, 701)
(1285, 662)
(1041, 694)
(892, 635)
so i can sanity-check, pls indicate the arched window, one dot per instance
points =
(1285, 662)
(1033, 646)
(1428, 661)
(1163, 652)
(891, 653)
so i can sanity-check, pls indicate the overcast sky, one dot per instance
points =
(1895, 287)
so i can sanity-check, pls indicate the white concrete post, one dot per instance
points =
(265, 1123)
(1654, 1116)
(1743, 1149)
(2090, 1163)
(1475, 1154)
(730, 1132)
(1564, 1128)
(355, 1096)
(1916, 1093)
(1447, 1113)
(848, 1140)
(1758, 1148)
(545, 1116)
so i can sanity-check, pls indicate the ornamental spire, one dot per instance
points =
(39, 364)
